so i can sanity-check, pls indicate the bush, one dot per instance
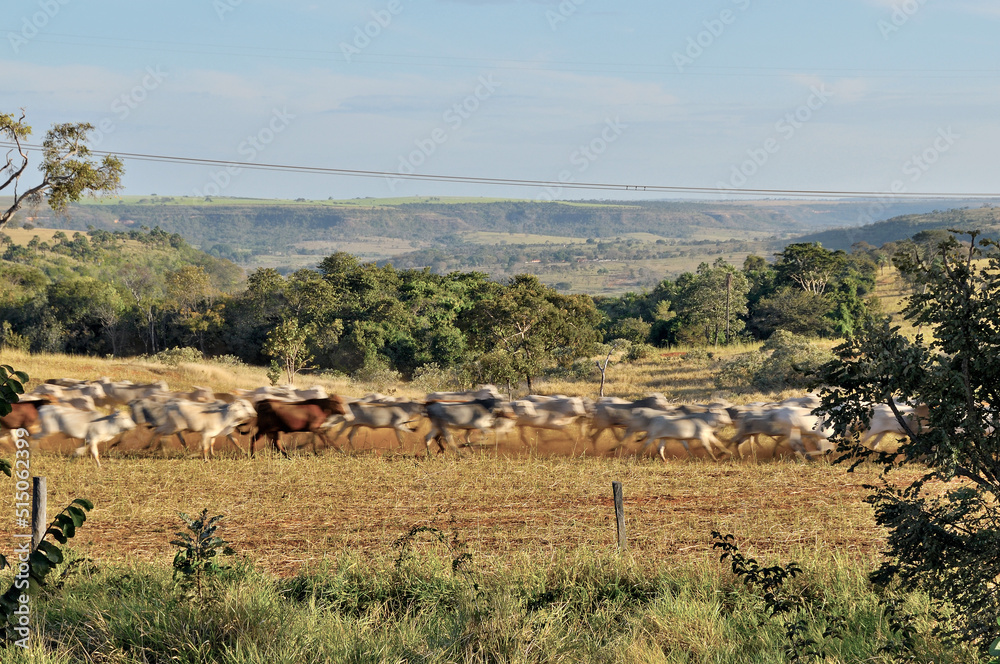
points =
(635, 330)
(740, 371)
(176, 356)
(432, 378)
(231, 361)
(793, 361)
(9, 339)
(785, 361)
(637, 352)
(699, 355)
(377, 375)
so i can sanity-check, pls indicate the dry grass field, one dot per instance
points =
(548, 498)
(322, 577)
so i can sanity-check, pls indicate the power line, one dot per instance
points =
(516, 182)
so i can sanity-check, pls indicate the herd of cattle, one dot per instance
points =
(88, 411)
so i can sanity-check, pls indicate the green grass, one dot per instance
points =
(577, 608)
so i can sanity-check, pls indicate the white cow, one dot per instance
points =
(884, 421)
(556, 413)
(613, 413)
(683, 429)
(482, 392)
(122, 392)
(793, 424)
(397, 415)
(210, 420)
(83, 426)
(468, 416)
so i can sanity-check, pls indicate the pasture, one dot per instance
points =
(340, 559)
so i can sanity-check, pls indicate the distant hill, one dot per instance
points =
(265, 227)
(986, 219)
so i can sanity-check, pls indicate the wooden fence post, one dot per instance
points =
(616, 488)
(38, 511)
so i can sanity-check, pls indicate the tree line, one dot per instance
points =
(143, 291)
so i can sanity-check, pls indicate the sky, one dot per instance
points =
(845, 95)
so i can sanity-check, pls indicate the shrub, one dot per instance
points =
(432, 378)
(740, 371)
(176, 356)
(637, 352)
(231, 361)
(11, 340)
(792, 363)
(785, 361)
(376, 374)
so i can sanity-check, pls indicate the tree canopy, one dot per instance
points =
(944, 527)
(68, 171)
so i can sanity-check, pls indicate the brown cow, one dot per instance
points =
(23, 415)
(314, 415)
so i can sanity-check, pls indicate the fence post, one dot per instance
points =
(38, 511)
(616, 488)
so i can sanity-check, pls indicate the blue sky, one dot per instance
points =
(846, 95)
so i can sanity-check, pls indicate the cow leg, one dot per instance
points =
(236, 443)
(795, 441)
(708, 447)
(451, 443)
(399, 435)
(91, 446)
(180, 437)
(344, 427)
(661, 449)
(207, 446)
(687, 448)
(428, 438)
(276, 441)
(350, 438)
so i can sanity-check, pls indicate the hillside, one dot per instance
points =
(986, 219)
(243, 227)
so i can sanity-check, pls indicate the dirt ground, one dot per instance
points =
(508, 502)
(512, 444)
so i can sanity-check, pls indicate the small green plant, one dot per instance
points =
(799, 616)
(274, 372)
(11, 384)
(30, 575)
(195, 562)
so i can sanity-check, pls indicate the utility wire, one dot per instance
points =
(515, 182)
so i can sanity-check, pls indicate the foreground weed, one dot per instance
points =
(195, 561)
(33, 567)
(800, 630)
